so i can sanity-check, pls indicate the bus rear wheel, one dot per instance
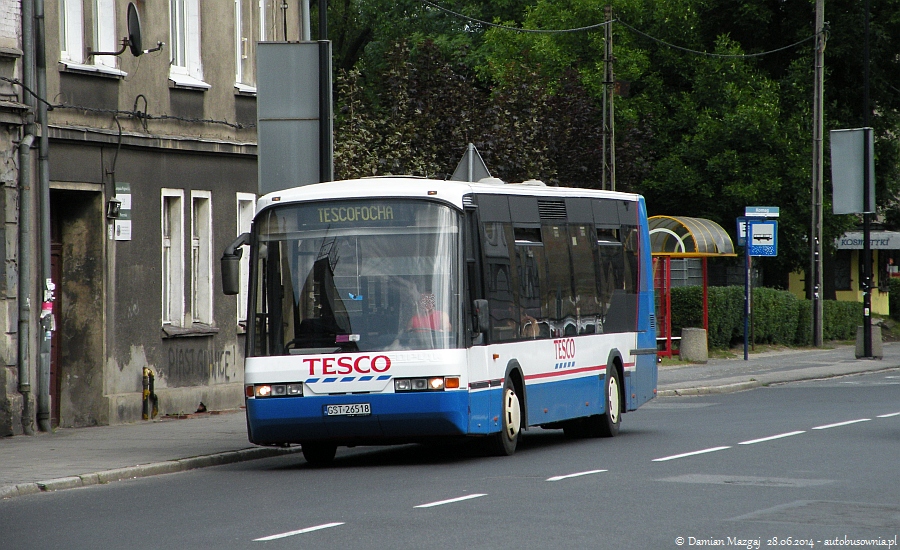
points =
(607, 424)
(507, 439)
(318, 454)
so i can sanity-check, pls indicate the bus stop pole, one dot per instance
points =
(747, 295)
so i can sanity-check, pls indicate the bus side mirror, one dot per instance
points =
(231, 265)
(482, 317)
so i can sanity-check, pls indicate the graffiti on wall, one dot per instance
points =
(195, 366)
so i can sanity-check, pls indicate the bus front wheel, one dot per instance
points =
(507, 439)
(318, 454)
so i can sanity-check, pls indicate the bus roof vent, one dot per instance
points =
(552, 209)
(534, 182)
(492, 180)
(468, 202)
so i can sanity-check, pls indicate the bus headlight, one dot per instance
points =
(275, 390)
(434, 383)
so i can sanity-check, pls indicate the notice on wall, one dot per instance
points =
(122, 225)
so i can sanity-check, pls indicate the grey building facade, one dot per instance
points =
(151, 169)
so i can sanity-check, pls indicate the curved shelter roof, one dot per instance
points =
(683, 237)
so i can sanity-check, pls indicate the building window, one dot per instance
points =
(249, 17)
(172, 217)
(105, 39)
(96, 27)
(842, 270)
(71, 31)
(184, 38)
(246, 206)
(201, 258)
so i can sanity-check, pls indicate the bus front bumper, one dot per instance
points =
(393, 417)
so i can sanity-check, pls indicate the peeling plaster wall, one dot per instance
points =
(11, 401)
(119, 329)
(80, 294)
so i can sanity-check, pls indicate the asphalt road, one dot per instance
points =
(809, 464)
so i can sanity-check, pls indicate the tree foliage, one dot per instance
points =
(699, 135)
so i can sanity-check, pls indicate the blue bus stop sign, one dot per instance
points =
(742, 231)
(762, 237)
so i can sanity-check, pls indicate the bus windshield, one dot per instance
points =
(356, 276)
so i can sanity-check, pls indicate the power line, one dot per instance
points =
(599, 25)
(707, 54)
(142, 116)
(513, 29)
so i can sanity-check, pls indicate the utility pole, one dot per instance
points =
(817, 185)
(609, 92)
(867, 202)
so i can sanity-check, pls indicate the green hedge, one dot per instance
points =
(779, 317)
(894, 298)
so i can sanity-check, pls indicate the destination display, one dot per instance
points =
(352, 214)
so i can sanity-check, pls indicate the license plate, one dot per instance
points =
(353, 409)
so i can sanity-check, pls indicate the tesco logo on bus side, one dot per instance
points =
(364, 364)
(565, 348)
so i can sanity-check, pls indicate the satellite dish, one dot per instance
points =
(133, 40)
(134, 30)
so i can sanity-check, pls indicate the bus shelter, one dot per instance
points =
(681, 237)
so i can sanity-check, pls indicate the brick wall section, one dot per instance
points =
(10, 23)
(10, 399)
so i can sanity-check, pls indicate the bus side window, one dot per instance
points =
(501, 288)
(558, 298)
(531, 273)
(587, 305)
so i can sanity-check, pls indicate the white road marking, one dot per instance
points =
(771, 437)
(888, 415)
(838, 424)
(298, 532)
(579, 474)
(450, 501)
(693, 453)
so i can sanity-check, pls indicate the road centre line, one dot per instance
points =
(298, 532)
(693, 453)
(888, 415)
(839, 424)
(451, 500)
(771, 437)
(579, 474)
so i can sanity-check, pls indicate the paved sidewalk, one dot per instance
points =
(69, 458)
(77, 457)
(773, 367)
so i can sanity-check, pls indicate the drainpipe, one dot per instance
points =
(23, 254)
(43, 414)
(24, 297)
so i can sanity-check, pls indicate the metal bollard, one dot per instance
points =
(151, 402)
(146, 385)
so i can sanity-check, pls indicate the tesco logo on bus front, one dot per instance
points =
(565, 348)
(364, 364)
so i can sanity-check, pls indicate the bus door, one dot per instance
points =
(637, 247)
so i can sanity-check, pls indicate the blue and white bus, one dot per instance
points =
(398, 309)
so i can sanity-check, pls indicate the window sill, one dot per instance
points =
(244, 89)
(10, 52)
(96, 70)
(193, 331)
(185, 82)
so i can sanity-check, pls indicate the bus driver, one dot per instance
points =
(427, 316)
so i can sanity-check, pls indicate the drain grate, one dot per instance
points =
(748, 480)
(824, 512)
